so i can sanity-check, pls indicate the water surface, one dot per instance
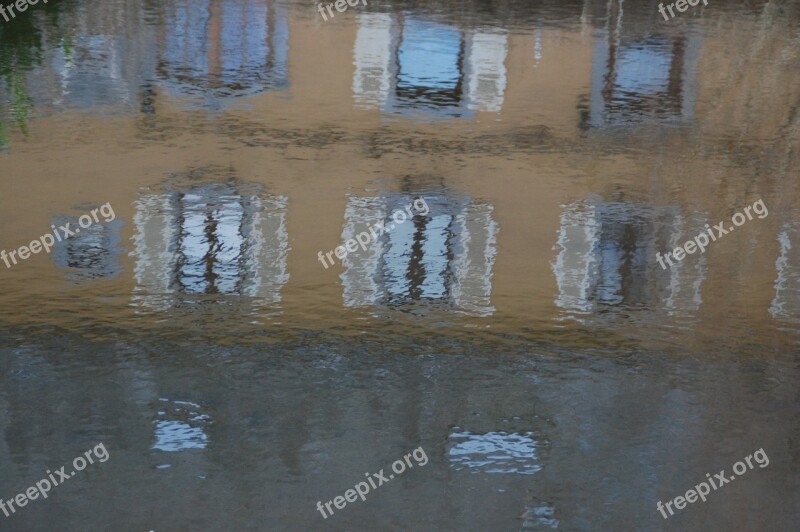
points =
(521, 331)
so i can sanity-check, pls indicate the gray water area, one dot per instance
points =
(520, 331)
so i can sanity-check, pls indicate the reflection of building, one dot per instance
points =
(210, 239)
(225, 47)
(445, 256)
(96, 70)
(93, 253)
(212, 48)
(786, 304)
(405, 64)
(608, 259)
(635, 77)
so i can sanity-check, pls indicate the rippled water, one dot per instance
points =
(520, 328)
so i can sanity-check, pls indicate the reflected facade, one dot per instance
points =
(533, 364)
(209, 49)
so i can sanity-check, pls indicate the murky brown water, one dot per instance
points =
(521, 331)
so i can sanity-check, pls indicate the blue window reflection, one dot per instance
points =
(408, 66)
(93, 253)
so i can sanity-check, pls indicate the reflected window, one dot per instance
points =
(607, 258)
(406, 65)
(537, 517)
(445, 256)
(180, 426)
(430, 62)
(225, 47)
(494, 452)
(211, 239)
(636, 78)
(95, 69)
(93, 253)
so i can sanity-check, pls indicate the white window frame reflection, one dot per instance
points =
(785, 305)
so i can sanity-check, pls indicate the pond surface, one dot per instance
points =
(519, 328)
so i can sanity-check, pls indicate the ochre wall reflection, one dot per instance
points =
(325, 115)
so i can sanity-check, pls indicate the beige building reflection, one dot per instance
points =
(444, 257)
(206, 240)
(620, 69)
